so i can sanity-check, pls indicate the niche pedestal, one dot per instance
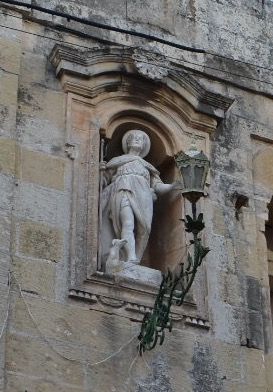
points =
(136, 273)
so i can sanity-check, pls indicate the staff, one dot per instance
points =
(102, 143)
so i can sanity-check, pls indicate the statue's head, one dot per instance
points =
(137, 140)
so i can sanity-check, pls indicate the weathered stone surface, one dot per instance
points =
(42, 169)
(34, 358)
(7, 156)
(40, 102)
(219, 226)
(8, 94)
(269, 367)
(5, 228)
(254, 368)
(43, 205)
(75, 325)
(36, 277)
(40, 241)
(254, 293)
(6, 195)
(159, 379)
(255, 328)
(18, 383)
(40, 134)
(10, 55)
(205, 372)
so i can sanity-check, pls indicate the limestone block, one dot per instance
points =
(18, 383)
(229, 361)
(42, 205)
(35, 358)
(243, 23)
(40, 134)
(226, 322)
(43, 103)
(8, 92)
(95, 334)
(269, 372)
(219, 226)
(159, 13)
(37, 277)
(4, 265)
(7, 156)
(16, 23)
(238, 387)
(247, 256)
(263, 167)
(40, 241)
(10, 55)
(230, 289)
(252, 106)
(33, 68)
(254, 296)
(205, 367)
(6, 194)
(255, 329)
(254, 367)
(4, 293)
(5, 233)
(42, 169)
(103, 8)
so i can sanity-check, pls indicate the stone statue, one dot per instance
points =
(130, 186)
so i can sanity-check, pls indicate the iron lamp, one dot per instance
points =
(193, 166)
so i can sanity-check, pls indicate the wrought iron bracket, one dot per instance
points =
(173, 288)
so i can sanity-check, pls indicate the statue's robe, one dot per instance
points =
(132, 180)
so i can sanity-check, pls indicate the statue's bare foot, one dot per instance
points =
(133, 261)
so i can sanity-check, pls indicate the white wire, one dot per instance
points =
(53, 348)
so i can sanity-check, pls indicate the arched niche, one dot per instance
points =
(106, 95)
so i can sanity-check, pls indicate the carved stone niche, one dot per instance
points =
(107, 94)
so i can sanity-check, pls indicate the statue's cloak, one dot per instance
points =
(132, 179)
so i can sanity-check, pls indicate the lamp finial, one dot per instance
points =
(193, 151)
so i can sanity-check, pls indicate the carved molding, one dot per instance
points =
(133, 310)
(151, 65)
(128, 61)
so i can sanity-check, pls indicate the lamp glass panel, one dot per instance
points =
(186, 175)
(199, 180)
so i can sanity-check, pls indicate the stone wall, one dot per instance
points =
(51, 342)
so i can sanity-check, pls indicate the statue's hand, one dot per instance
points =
(153, 194)
(102, 165)
(177, 186)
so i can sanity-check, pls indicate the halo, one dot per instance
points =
(147, 144)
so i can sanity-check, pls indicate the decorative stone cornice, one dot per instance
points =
(87, 64)
(153, 66)
(132, 309)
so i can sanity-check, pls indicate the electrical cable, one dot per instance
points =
(204, 51)
(110, 356)
(145, 50)
(149, 62)
(102, 26)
